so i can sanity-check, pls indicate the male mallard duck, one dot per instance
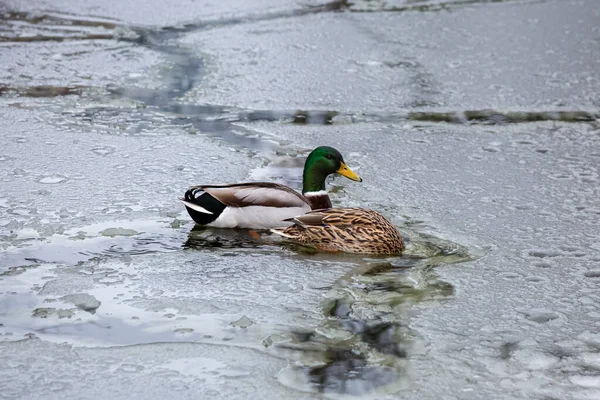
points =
(263, 205)
(350, 230)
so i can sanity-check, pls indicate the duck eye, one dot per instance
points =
(329, 156)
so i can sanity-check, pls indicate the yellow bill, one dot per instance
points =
(348, 173)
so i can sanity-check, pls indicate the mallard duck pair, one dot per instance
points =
(305, 218)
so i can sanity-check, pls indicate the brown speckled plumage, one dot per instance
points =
(349, 230)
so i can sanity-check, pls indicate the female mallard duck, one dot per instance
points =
(262, 205)
(349, 230)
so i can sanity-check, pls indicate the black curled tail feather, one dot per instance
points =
(200, 197)
(192, 193)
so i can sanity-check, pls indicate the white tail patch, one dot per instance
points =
(195, 207)
(296, 221)
(281, 233)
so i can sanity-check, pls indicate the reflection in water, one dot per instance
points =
(363, 344)
(201, 237)
(348, 372)
(364, 341)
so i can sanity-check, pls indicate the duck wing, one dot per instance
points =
(337, 217)
(265, 194)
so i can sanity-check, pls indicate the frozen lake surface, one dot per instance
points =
(474, 125)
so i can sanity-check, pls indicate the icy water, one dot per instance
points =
(474, 125)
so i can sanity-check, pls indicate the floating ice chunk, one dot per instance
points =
(83, 301)
(27, 233)
(184, 331)
(48, 312)
(243, 323)
(593, 273)
(52, 179)
(103, 150)
(586, 381)
(112, 232)
(539, 315)
(13, 225)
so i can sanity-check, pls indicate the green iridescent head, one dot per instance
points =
(322, 162)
